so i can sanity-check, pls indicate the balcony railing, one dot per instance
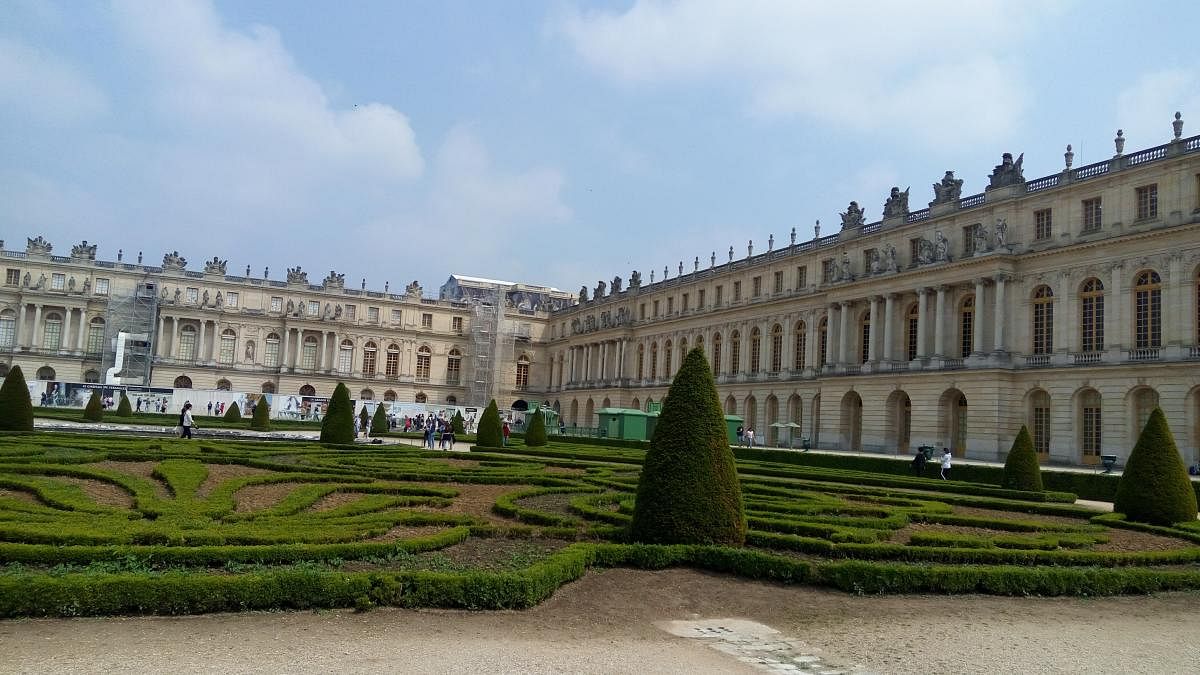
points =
(1086, 358)
(952, 364)
(1037, 360)
(1145, 354)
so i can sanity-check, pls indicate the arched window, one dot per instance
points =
(1091, 316)
(267, 388)
(523, 373)
(52, 332)
(682, 349)
(1147, 310)
(716, 354)
(735, 352)
(95, 336)
(755, 349)
(966, 326)
(187, 343)
(389, 395)
(345, 359)
(641, 361)
(1043, 320)
(183, 382)
(91, 376)
(801, 346)
(392, 367)
(228, 345)
(366, 395)
(46, 373)
(1091, 425)
(653, 360)
(1039, 418)
(776, 348)
(823, 339)
(271, 356)
(8, 329)
(308, 352)
(368, 364)
(224, 385)
(666, 362)
(454, 367)
(865, 337)
(912, 324)
(308, 390)
(421, 397)
(452, 399)
(424, 356)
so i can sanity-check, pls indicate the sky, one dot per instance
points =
(558, 142)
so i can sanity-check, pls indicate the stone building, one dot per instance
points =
(1067, 303)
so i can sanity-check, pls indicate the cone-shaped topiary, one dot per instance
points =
(1021, 470)
(94, 410)
(123, 408)
(261, 419)
(364, 418)
(489, 434)
(458, 424)
(379, 423)
(1155, 487)
(535, 433)
(338, 425)
(233, 413)
(688, 492)
(16, 409)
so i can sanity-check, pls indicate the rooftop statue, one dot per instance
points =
(38, 246)
(635, 279)
(83, 251)
(335, 280)
(616, 284)
(215, 266)
(853, 217)
(583, 294)
(948, 190)
(295, 275)
(897, 203)
(601, 289)
(413, 289)
(174, 261)
(1007, 172)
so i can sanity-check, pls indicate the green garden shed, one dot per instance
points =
(732, 422)
(625, 423)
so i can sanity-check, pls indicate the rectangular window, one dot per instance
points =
(737, 291)
(52, 335)
(911, 337)
(798, 358)
(95, 339)
(778, 282)
(686, 298)
(102, 287)
(914, 250)
(720, 294)
(966, 332)
(308, 355)
(345, 358)
(756, 287)
(426, 320)
(1092, 430)
(276, 304)
(1092, 328)
(828, 270)
(453, 371)
(58, 282)
(1041, 430)
(1093, 215)
(231, 299)
(670, 306)
(351, 311)
(802, 277)
(369, 361)
(225, 355)
(700, 299)
(868, 259)
(271, 354)
(373, 314)
(12, 277)
(8, 331)
(456, 324)
(392, 365)
(642, 311)
(968, 242)
(314, 307)
(193, 295)
(656, 309)
(395, 316)
(1043, 327)
(1042, 224)
(522, 376)
(1147, 202)
(187, 345)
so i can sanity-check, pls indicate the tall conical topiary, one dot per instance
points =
(233, 413)
(94, 410)
(364, 418)
(338, 425)
(261, 418)
(458, 424)
(535, 433)
(489, 433)
(123, 408)
(379, 423)
(1154, 487)
(16, 409)
(688, 492)
(1021, 470)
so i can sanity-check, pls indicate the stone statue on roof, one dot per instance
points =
(897, 203)
(854, 217)
(1007, 172)
(948, 190)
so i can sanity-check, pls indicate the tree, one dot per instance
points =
(489, 433)
(94, 411)
(16, 409)
(338, 425)
(379, 423)
(1021, 470)
(261, 419)
(688, 492)
(458, 424)
(233, 413)
(123, 408)
(1154, 487)
(535, 433)
(364, 418)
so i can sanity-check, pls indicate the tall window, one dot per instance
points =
(756, 287)
(392, 366)
(1196, 286)
(345, 359)
(426, 321)
(1092, 423)
(1091, 325)
(370, 353)
(828, 270)
(308, 353)
(966, 323)
(1147, 202)
(668, 351)
(1043, 320)
(8, 328)
(755, 349)
(1093, 215)
(454, 367)
(776, 348)
(735, 352)
(187, 343)
(58, 281)
(716, 354)
(456, 325)
(1042, 224)
(1041, 423)
(424, 356)
(271, 354)
(737, 291)
(778, 282)
(1147, 310)
(700, 299)
(801, 346)
(823, 340)
(720, 295)
(523, 373)
(802, 276)
(968, 234)
(641, 361)
(228, 345)
(52, 332)
(653, 360)
(912, 324)
(865, 340)
(95, 336)
(276, 304)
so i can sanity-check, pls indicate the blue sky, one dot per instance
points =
(550, 142)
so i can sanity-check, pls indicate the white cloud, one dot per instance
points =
(1146, 108)
(939, 71)
(43, 88)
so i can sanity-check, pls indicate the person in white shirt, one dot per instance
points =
(185, 420)
(750, 437)
(945, 464)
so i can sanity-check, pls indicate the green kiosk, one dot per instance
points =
(624, 423)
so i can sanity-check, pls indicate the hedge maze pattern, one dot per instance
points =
(92, 525)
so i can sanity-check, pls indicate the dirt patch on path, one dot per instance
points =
(259, 497)
(104, 494)
(219, 473)
(473, 500)
(139, 469)
(18, 495)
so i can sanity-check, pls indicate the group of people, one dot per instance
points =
(437, 430)
(745, 436)
(219, 407)
(920, 459)
(158, 404)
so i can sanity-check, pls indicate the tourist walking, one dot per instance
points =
(741, 434)
(504, 432)
(918, 463)
(186, 423)
(945, 474)
(750, 437)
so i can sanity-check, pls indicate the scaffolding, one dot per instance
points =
(129, 335)
(492, 344)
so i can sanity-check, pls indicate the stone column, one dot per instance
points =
(35, 339)
(1175, 294)
(844, 333)
(873, 335)
(200, 345)
(1115, 331)
(977, 324)
(19, 340)
(939, 325)
(64, 341)
(810, 340)
(922, 319)
(324, 347)
(1064, 313)
(571, 364)
(889, 318)
(174, 352)
(831, 346)
(286, 357)
(83, 328)
(1000, 314)
(162, 328)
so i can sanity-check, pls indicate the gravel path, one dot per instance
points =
(610, 622)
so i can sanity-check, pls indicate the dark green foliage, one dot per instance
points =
(233, 413)
(1021, 470)
(364, 418)
(261, 420)
(338, 425)
(489, 432)
(458, 424)
(16, 410)
(1154, 487)
(123, 408)
(94, 411)
(379, 423)
(535, 433)
(688, 492)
